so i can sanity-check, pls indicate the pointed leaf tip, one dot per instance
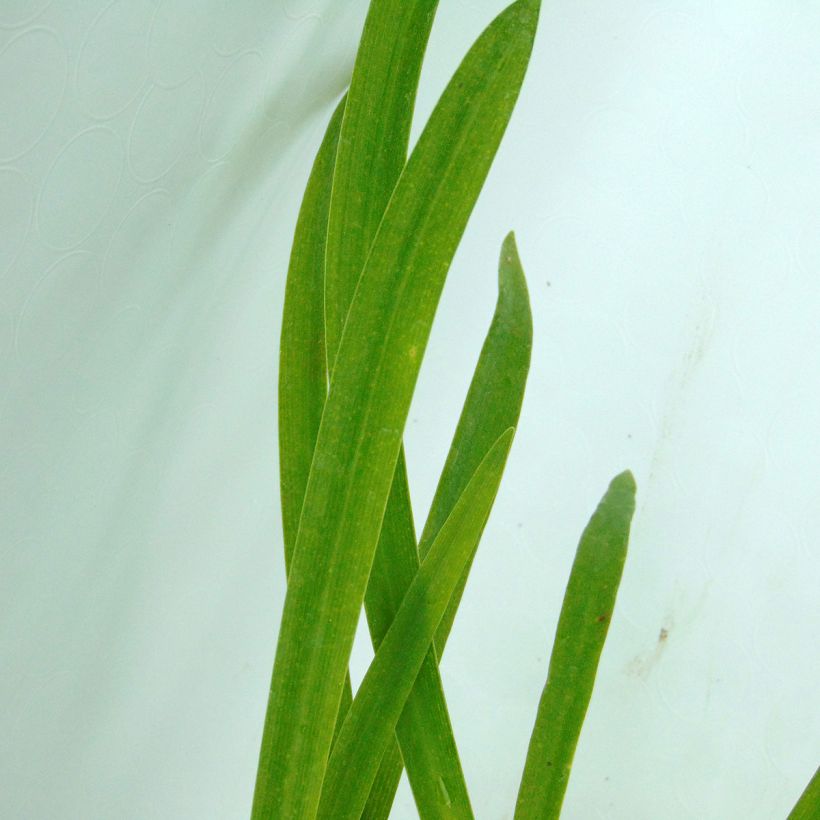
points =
(528, 9)
(586, 612)
(509, 253)
(622, 488)
(511, 276)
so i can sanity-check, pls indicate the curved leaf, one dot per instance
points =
(373, 150)
(579, 639)
(302, 371)
(373, 145)
(371, 386)
(493, 405)
(808, 806)
(302, 365)
(372, 718)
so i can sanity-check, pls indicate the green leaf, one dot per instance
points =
(373, 145)
(579, 639)
(373, 148)
(493, 405)
(302, 371)
(378, 703)
(808, 806)
(371, 386)
(429, 749)
(383, 792)
(302, 357)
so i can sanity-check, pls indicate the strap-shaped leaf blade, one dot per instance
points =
(383, 791)
(372, 383)
(372, 152)
(378, 703)
(428, 750)
(303, 388)
(302, 369)
(493, 405)
(579, 640)
(373, 145)
(302, 352)
(808, 806)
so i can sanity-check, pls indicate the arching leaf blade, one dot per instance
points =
(302, 368)
(371, 386)
(579, 640)
(375, 133)
(372, 152)
(493, 405)
(379, 701)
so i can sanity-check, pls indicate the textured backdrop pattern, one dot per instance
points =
(662, 175)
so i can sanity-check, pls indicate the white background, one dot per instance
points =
(662, 174)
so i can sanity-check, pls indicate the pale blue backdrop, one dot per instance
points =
(662, 174)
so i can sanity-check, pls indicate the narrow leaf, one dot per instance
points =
(808, 806)
(383, 792)
(372, 718)
(302, 356)
(302, 371)
(493, 405)
(373, 150)
(428, 749)
(371, 386)
(579, 639)
(373, 146)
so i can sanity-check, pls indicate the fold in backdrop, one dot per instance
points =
(662, 175)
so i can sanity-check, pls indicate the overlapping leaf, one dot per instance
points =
(435, 770)
(493, 404)
(371, 385)
(302, 371)
(372, 718)
(302, 354)
(374, 138)
(372, 152)
(373, 146)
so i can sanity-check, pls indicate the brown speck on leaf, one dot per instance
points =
(602, 619)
